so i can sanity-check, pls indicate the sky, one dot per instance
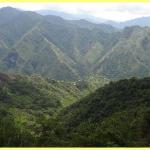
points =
(110, 11)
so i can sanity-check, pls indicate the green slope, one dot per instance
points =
(70, 50)
(26, 99)
(115, 115)
(50, 45)
(43, 57)
(129, 57)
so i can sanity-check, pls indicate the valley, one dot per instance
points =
(73, 83)
(70, 50)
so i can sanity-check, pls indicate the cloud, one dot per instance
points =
(111, 11)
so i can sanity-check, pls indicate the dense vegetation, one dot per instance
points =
(55, 88)
(115, 115)
(25, 100)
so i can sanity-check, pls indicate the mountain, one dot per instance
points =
(58, 82)
(14, 24)
(70, 49)
(141, 21)
(48, 45)
(70, 16)
(116, 115)
(129, 57)
(82, 23)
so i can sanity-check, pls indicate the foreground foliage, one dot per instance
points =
(114, 115)
(26, 100)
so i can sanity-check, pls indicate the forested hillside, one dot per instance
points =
(25, 100)
(70, 50)
(49, 45)
(72, 82)
(115, 115)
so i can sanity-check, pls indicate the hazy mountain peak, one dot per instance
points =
(5, 9)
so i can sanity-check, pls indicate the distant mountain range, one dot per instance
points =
(142, 21)
(70, 49)
(70, 16)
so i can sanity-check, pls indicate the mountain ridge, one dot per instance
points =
(70, 50)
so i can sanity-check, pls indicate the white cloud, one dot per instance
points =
(112, 11)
